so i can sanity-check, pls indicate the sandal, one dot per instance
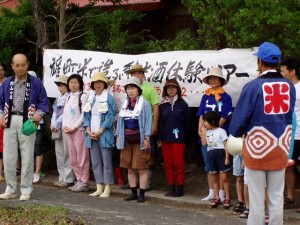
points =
(239, 207)
(215, 203)
(227, 203)
(245, 214)
(266, 219)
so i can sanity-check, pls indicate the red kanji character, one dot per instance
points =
(158, 90)
(276, 98)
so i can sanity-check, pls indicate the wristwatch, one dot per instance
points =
(147, 138)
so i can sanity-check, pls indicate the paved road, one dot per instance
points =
(116, 211)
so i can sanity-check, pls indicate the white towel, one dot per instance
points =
(102, 104)
(125, 112)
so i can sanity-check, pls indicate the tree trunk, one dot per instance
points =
(62, 24)
(41, 26)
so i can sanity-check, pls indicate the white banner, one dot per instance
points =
(238, 65)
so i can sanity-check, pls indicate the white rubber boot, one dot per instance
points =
(106, 192)
(99, 190)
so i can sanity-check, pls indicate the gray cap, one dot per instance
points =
(135, 81)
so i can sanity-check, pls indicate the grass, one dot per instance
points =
(34, 214)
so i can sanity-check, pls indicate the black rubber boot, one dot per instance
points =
(179, 191)
(171, 191)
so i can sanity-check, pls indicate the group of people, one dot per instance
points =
(265, 115)
(90, 127)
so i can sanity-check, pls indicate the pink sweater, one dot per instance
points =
(72, 116)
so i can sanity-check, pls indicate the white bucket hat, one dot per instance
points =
(135, 81)
(215, 71)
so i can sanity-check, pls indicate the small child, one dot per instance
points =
(215, 138)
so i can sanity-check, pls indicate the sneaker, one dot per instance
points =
(7, 195)
(80, 188)
(24, 197)
(60, 184)
(73, 186)
(36, 178)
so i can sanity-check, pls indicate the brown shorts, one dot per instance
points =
(134, 158)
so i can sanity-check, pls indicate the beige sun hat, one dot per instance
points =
(136, 67)
(215, 71)
(99, 76)
(63, 79)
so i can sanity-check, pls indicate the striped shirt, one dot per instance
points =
(19, 95)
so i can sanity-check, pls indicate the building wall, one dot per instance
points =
(164, 18)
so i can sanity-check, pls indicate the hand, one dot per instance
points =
(94, 136)
(227, 161)
(2, 122)
(117, 140)
(203, 129)
(291, 162)
(147, 146)
(53, 129)
(68, 130)
(37, 118)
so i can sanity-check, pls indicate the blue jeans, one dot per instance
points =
(205, 158)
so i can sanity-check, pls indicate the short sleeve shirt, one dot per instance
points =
(215, 138)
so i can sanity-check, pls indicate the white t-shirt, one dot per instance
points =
(96, 116)
(215, 138)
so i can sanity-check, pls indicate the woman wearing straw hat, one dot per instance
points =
(99, 114)
(214, 99)
(66, 175)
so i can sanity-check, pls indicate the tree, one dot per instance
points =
(75, 21)
(110, 33)
(16, 29)
(248, 23)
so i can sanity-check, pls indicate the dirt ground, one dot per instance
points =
(195, 182)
